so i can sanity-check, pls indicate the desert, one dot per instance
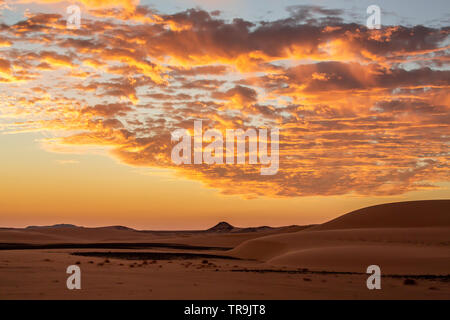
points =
(409, 241)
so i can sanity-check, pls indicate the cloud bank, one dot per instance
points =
(359, 111)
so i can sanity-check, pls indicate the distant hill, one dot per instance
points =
(226, 227)
(121, 228)
(222, 227)
(61, 225)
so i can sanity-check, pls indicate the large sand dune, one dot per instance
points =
(409, 214)
(402, 238)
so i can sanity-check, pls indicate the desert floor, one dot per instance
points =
(409, 241)
(41, 274)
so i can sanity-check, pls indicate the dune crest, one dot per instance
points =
(408, 214)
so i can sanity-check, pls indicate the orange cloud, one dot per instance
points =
(366, 113)
(126, 4)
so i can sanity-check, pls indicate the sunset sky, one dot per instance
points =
(86, 114)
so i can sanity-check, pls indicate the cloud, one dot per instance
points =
(125, 4)
(359, 111)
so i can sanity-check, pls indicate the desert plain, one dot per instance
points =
(409, 241)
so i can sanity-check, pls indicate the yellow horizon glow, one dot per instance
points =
(42, 188)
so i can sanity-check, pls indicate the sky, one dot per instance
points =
(86, 114)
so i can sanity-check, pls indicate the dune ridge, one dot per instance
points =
(408, 214)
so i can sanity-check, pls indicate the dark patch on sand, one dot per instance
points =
(443, 278)
(117, 245)
(152, 255)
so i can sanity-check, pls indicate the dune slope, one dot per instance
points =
(402, 238)
(409, 214)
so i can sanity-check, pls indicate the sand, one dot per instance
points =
(395, 250)
(31, 276)
(407, 240)
(403, 238)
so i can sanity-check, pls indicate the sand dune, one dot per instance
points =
(393, 259)
(403, 238)
(409, 214)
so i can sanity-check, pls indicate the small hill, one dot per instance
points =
(60, 225)
(123, 228)
(221, 227)
(224, 227)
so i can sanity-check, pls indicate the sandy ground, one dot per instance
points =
(410, 242)
(395, 250)
(42, 274)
